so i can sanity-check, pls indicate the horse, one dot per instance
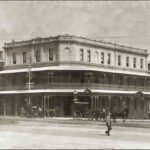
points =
(124, 115)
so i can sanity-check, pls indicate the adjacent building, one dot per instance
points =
(68, 73)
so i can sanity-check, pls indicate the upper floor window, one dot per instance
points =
(37, 56)
(127, 61)
(96, 56)
(14, 58)
(119, 60)
(102, 58)
(1, 55)
(141, 63)
(81, 55)
(134, 62)
(109, 59)
(24, 55)
(67, 54)
(51, 55)
(88, 55)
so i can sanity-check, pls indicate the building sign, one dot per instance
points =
(75, 100)
(84, 103)
(139, 95)
(87, 91)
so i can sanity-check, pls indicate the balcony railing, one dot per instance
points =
(76, 86)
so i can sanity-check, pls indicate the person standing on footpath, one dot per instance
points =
(108, 123)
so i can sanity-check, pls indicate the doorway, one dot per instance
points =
(67, 107)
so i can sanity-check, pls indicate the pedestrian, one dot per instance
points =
(103, 114)
(74, 115)
(108, 123)
(40, 111)
(22, 111)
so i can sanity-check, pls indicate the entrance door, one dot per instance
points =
(67, 107)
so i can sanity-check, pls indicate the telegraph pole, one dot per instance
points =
(69, 60)
(29, 76)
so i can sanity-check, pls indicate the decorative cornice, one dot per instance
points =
(78, 40)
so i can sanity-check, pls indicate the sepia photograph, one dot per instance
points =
(74, 74)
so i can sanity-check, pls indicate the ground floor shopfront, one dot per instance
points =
(64, 104)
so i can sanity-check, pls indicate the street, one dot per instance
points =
(49, 135)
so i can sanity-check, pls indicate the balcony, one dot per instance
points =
(76, 86)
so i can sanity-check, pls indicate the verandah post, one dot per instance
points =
(16, 113)
(4, 102)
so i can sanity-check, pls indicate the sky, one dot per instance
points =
(125, 23)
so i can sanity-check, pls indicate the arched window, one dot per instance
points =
(66, 53)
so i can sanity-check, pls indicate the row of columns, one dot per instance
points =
(107, 101)
(138, 107)
(96, 103)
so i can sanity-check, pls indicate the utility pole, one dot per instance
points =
(69, 59)
(29, 61)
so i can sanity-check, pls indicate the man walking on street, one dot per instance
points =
(108, 123)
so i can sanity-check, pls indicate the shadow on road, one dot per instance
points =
(7, 121)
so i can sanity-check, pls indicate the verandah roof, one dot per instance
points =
(68, 91)
(77, 68)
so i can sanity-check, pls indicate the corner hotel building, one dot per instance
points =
(51, 72)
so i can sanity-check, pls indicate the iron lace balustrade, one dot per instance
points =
(76, 86)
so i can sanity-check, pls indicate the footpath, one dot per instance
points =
(70, 120)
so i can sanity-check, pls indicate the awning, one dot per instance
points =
(13, 71)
